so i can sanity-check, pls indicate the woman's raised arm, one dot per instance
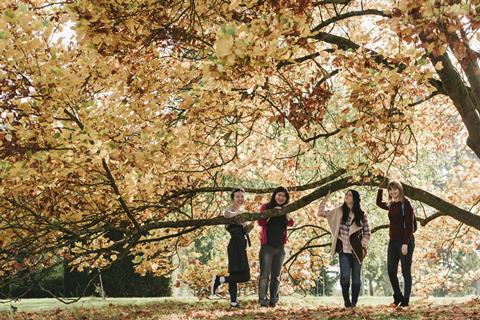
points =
(322, 212)
(380, 202)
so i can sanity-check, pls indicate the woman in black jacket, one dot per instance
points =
(238, 266)
(402, 242)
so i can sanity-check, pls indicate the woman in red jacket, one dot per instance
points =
(273, 237)
(402, 242)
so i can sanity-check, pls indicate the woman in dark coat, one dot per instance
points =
(238, 266)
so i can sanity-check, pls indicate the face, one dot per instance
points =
(238, 198)
(349, 198)
(280, 198)
(394, 192)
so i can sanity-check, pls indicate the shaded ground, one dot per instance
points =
(289, 308)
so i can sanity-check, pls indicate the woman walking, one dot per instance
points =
(350, 236)
(238, 266)
(273, 238)
(402, 241)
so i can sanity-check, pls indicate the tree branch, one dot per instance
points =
(462, 99)
(297, 188)
(324, 2)
(307, 246)
(414, 193)
(123, 204)
(349, 14)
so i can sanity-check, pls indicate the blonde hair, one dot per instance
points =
(397, 185)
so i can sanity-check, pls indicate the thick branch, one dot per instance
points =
(123, 204)
(304, 187)
(324, 2)
(302, 202)
(443, 206)
(462, 99)
(449, 209)
(347, 15)
(347, 44)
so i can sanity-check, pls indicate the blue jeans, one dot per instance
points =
(394, 255)
(349, 267)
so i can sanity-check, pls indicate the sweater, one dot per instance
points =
(334, 219)
(263, 223)
(399, 228)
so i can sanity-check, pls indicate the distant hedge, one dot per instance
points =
(118, 281)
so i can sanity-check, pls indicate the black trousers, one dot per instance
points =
(234, 278)
(394, 255)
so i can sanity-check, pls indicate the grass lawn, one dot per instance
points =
(292, 307)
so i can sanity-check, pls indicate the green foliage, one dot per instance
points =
(30, 285)
(325, 283)
(119, 280)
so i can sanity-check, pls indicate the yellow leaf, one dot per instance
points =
(223, 46)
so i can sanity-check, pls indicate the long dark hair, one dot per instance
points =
(272, 204)
(356, 209)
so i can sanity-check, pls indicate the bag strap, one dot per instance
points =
(403, 215)
(249, 243)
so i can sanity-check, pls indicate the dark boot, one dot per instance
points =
(397, 299)
(346, 296)
(405, 302)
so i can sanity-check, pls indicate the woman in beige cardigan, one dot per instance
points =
(350, 236)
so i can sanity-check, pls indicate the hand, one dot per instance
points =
(404, 249)
(383, 184)
(288, 216)
(321, 207)
(248, 227)
(325, 199)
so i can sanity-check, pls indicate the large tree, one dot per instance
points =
(135, 116)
